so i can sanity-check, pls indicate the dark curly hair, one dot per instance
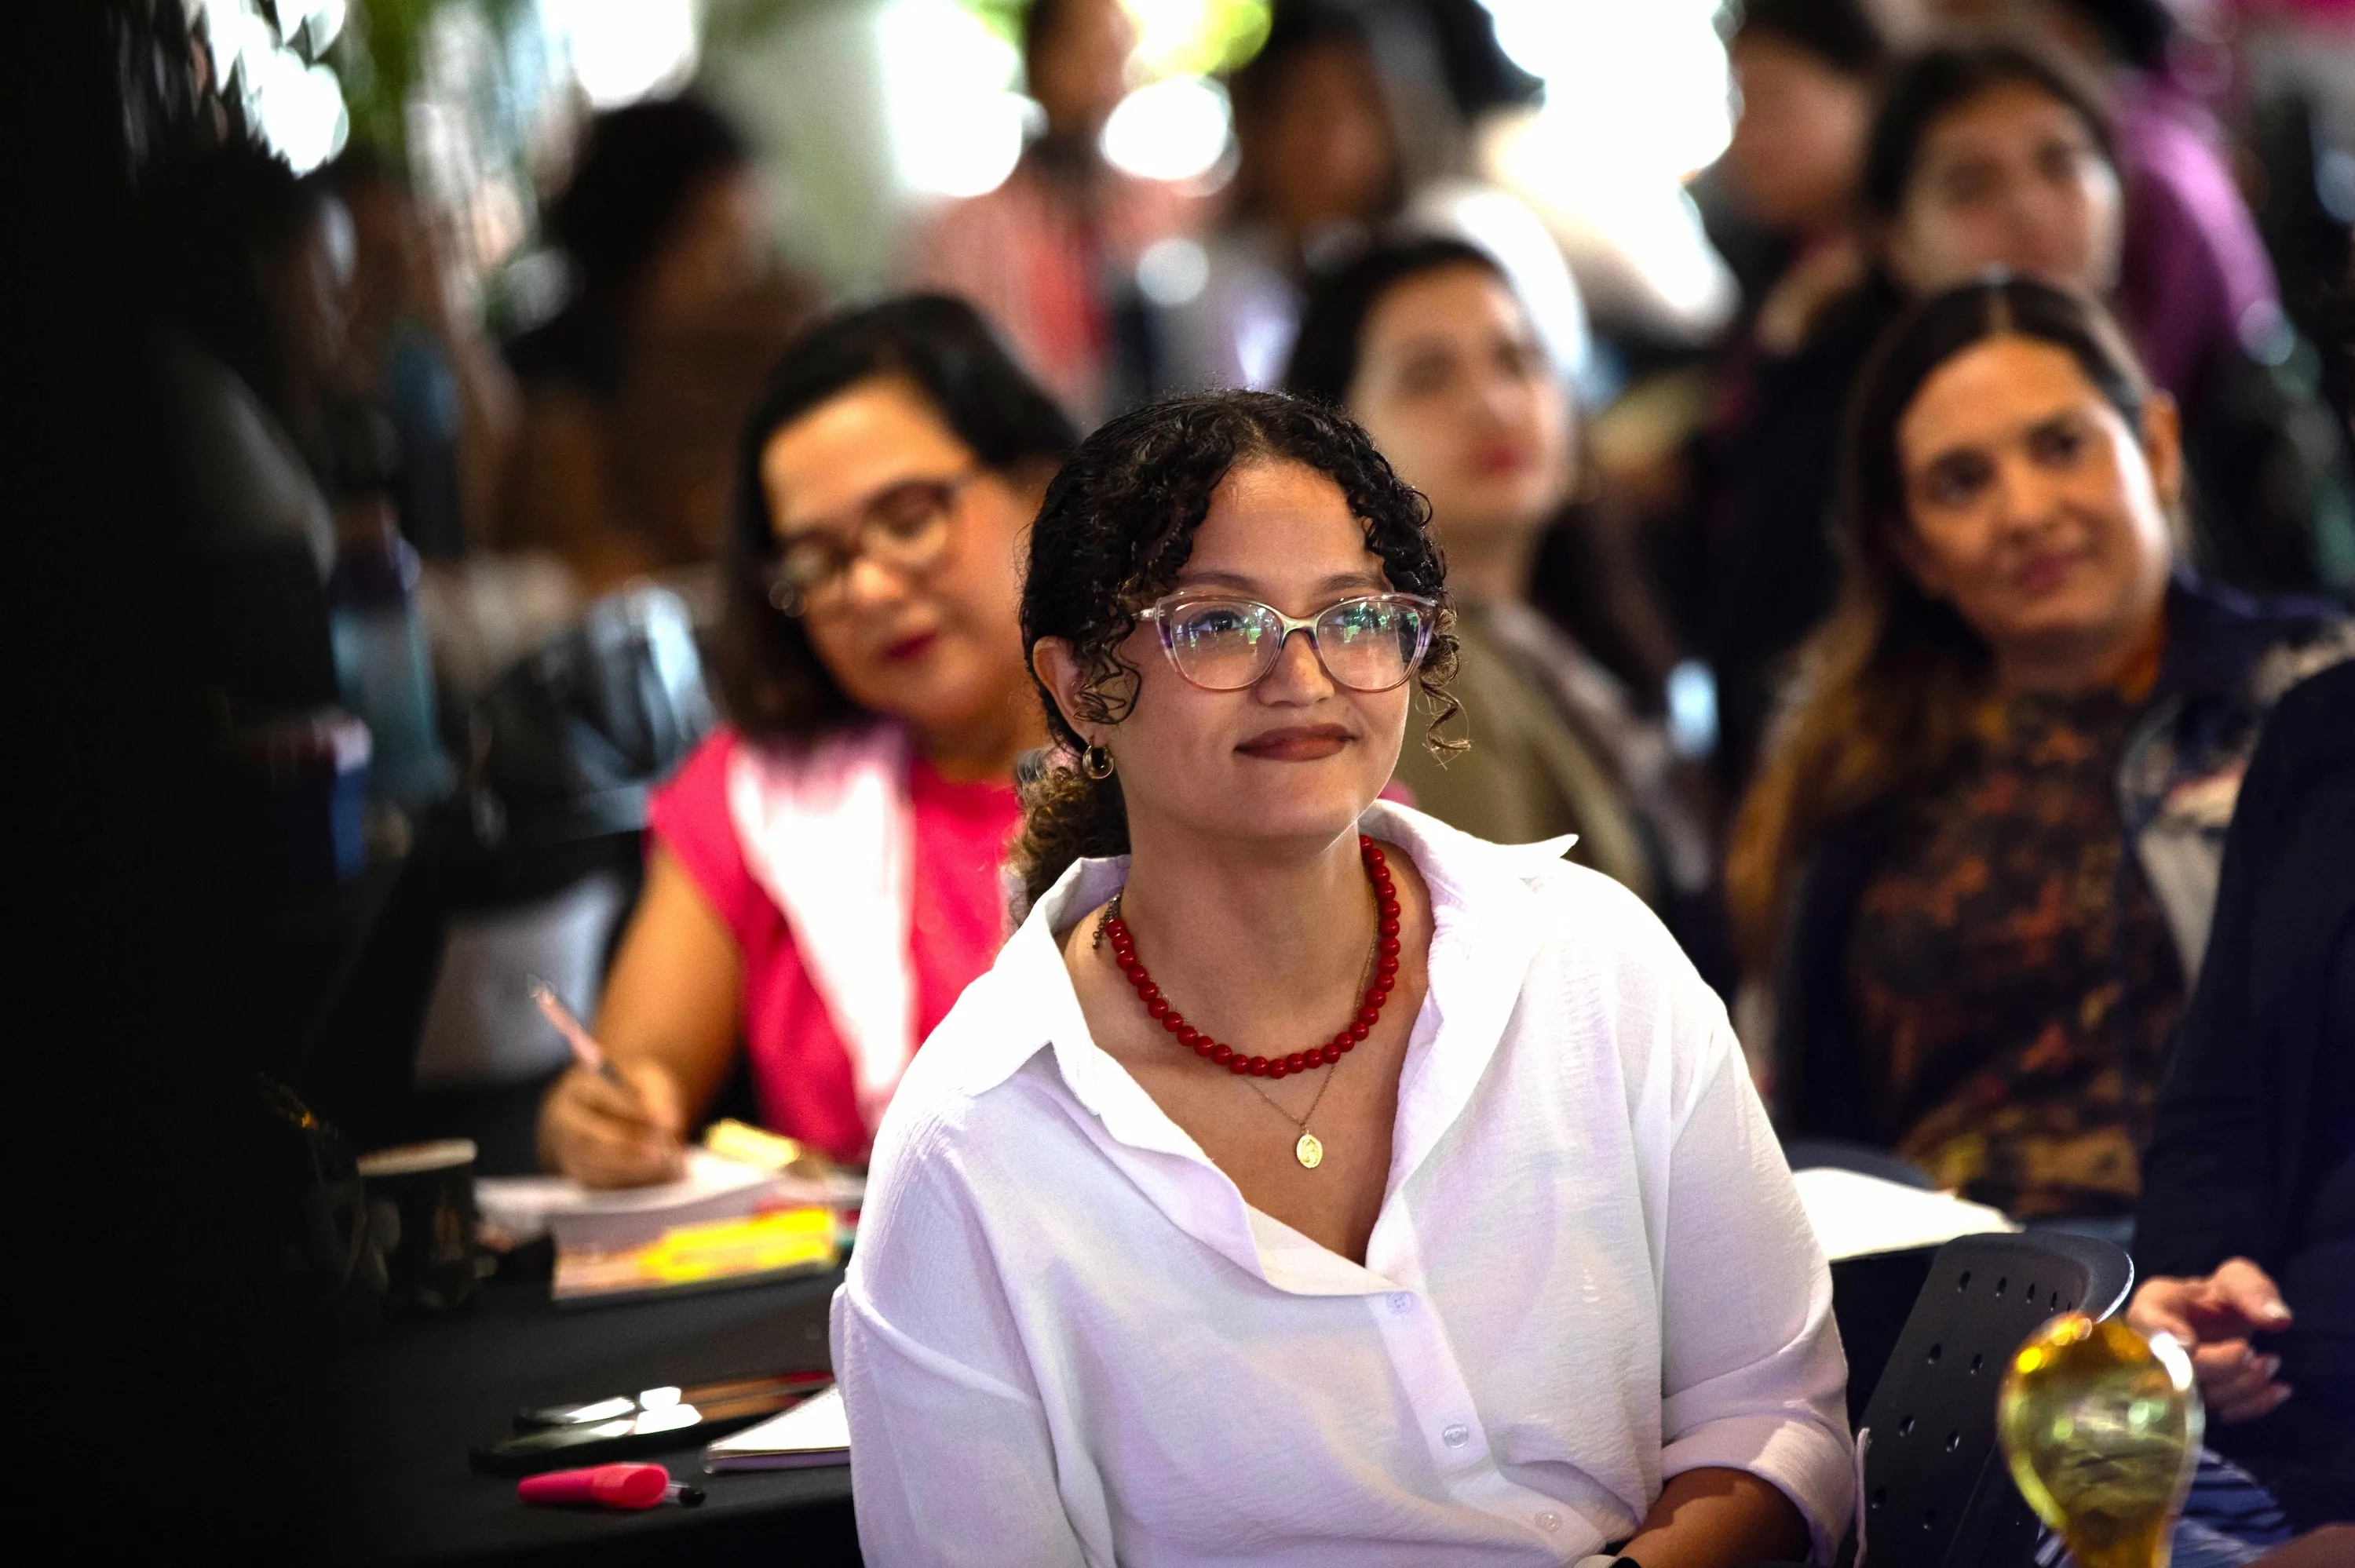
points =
(1117, 529)
(771, 682)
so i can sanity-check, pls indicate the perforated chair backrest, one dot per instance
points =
(1936, 1494)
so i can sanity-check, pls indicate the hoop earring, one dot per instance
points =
(1096, 763)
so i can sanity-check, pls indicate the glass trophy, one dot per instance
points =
(2102, 1427)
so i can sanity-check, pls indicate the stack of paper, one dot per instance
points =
(1856, 1215)
(814, 1432)
(713, 1188)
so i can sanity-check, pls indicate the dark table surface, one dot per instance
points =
(399, 1412)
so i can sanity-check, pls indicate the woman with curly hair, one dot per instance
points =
(1308, 1181)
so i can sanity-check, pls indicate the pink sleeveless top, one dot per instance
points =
(802, 1068)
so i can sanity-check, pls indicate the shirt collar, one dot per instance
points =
(1481, 943)
(1034, 985)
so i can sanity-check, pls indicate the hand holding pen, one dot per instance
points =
(608, 1124)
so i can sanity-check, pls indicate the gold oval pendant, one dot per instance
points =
(1309, 1151)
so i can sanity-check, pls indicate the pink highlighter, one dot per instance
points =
(608, 1485)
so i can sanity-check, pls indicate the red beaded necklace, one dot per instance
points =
(1370, 1011)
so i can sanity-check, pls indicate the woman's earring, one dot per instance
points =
(1096, 763)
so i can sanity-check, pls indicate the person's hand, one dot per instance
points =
(604, 1134)
(2214, 1317)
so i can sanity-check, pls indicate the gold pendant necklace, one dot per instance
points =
(1309, 1150)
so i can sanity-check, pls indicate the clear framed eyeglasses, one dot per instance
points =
(1368, 644)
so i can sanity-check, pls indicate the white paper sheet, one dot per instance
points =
(713, 1188)
(1855, 1215)
(814, 1432)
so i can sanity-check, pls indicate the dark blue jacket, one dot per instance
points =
(2252, 1153)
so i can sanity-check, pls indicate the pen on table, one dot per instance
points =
(585, 1049)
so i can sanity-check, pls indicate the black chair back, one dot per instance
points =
(1936, 1491)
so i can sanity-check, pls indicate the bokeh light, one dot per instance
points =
(1172, 130)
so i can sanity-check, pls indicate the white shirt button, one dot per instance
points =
(1455, 1435)
(1548, 1520)
(1402, 1302)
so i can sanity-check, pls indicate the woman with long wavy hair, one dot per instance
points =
(1309, 1182)
(1980, 858)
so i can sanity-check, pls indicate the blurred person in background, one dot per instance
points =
(1321, 160)
(248, 264)
(664, 222)
(1985, 154)
(2246, 1238)
(2194, 283)
(258, 350)
(1424, 343)
(1980, 857)
(1755, 569)
(419, 349)
(1050, 257)
(1994, 155)
(1805, 72)
(824, 876)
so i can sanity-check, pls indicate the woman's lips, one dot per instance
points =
(913, 646)
(2042, 573)
(1500, 457)
(1304, 743)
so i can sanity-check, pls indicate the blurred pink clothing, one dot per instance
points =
(1042, 264)
(2194, 278)
(950, 913)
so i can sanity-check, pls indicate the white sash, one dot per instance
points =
(829, 833)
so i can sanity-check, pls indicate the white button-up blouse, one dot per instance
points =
(1066, 1338)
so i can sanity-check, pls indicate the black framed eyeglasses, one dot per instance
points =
(905, 527)
(1372, 643)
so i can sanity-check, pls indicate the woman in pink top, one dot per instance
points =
(823, 875)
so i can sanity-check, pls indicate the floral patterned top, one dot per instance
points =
(2012, 977)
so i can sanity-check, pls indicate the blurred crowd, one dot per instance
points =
(1904, 641)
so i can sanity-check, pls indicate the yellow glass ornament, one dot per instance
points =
(2102, 1427)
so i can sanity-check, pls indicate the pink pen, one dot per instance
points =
(585, 1049)
(608, 1485)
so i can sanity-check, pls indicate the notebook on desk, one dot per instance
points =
(814, 1432)
(708, 1188)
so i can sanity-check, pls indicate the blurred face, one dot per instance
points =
(939, 642)
(1456, 390)
(1295, 757)
(720, 246)
(1798, 146)
(1325, 148)
(307, 284)
(2036, 509)
(2012, 179)
(383, 224)
(1079, 71)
